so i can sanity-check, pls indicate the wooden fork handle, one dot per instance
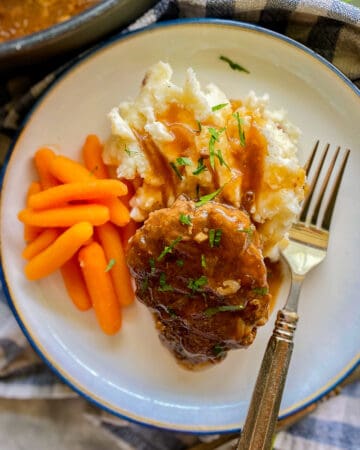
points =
(259, 427)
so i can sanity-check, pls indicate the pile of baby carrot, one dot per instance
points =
(77, 220)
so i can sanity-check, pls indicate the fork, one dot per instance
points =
(307, 248)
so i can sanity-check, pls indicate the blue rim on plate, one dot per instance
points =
(297, 408)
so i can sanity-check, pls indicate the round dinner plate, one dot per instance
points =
(132, 374)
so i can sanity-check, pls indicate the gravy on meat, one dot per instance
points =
(205, 280)
(193, 277)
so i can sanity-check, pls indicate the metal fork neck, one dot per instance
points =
(294, 294)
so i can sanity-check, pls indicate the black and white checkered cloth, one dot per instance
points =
(329, 27)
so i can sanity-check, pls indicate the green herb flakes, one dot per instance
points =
(144, 285)
(185, 219)
(207, 198)
(219, 106)
(152, 265)
(163, 286)
(233, 65)
(218, 349)
(203, 261)
(215, 134)
(249, 231)
(110, 264)
(183, 161)
(209, 312)
(196, 285)
(171, 312)
(169, 248)
(180, 262)
(200, 167)
(222, 162)
(240, 123)
(261, 291)
(180, 162)
(214, 137)
(176, 170)
(215, 237)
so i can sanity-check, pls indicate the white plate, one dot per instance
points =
(132, 374)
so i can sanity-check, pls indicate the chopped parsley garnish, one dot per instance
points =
(249, 231)
(199, 126)
(144, 285)
(152, 265)
(183, 161)
(222, 161)
(215, 237)
(169, 248)
(219, 106)
(218, 350)
(129, 152)
(176, 170)
(110, 265)
(180, 262)
(164, 287)
(260, 291)
(185, 219)
(196, 285)
(209, 312)
(215, 133)
(233, 65)
(171, 312)
(240, 123)
(214, 137)
(200, 167)
(203, 261)
(207, 198)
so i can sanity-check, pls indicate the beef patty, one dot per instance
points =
(201, 272)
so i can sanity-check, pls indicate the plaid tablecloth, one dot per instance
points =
(331, 28)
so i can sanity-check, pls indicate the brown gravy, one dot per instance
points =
(248, 160)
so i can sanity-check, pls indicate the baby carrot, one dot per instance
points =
(98, 281)
(31, 232)
(92, 155)
(119, 214)
(43, 158)
(65, 216)
(69, 171)
(110, 240)
(60, 251)
(40, 243)
(75, 283)
(127, 232)
(91, 190)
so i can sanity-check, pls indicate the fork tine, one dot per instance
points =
(310, 160)
(332, 200)
(305, 208)
(315, 215)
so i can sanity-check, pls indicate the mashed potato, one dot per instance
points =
(174, 140)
